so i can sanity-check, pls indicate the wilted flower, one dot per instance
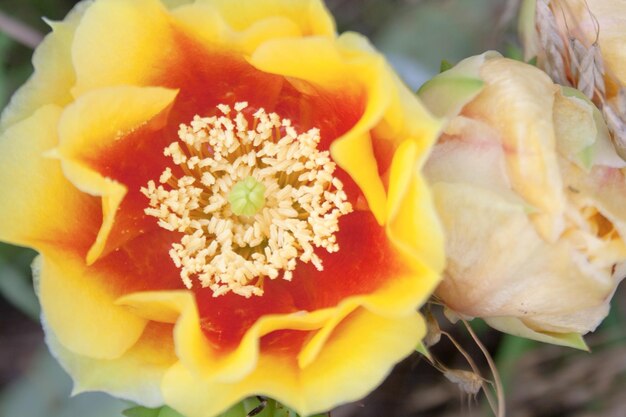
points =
(532, 197)
(227, 200)
(579, 43)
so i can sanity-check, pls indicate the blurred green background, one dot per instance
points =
(416, 35)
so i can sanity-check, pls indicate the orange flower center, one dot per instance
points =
(250, 200)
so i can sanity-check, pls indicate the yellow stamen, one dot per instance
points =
(251, 201)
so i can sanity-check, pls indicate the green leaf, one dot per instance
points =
(142, 412)
(514, 52)
(445, 65)
(510, 350)
(169, 412)
(271, 409)
(151, 412)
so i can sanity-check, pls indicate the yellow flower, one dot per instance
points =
(532, 197)
(227, 200)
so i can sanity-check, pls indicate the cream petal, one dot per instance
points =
(522, 93)
(492, 274)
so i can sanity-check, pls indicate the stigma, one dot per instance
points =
(251, 197)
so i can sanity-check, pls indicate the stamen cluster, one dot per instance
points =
(300, 209)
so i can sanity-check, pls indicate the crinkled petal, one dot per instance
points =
(318, 60)
(141, 42)
(491, 274)
(36, 197)
(135, 376)
(81, 310)
(327, 382)
(523, 93)
(89, 132)
(310, 15)
(603, 188)
(379, 278)
(413, 225)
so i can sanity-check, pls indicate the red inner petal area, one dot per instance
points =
(364, 262)
(132, 162)
(205, 77)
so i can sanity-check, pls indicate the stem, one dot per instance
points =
(486, 390)
(19, 31)
(494, 371)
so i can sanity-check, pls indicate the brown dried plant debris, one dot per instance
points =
(571, 58)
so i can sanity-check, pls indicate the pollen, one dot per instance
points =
(251, 197)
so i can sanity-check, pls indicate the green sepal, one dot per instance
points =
(241, 409)
(601, 151)
(445, 97)
(423, 350)
(516, 327)
(151, 412)
(448, 92)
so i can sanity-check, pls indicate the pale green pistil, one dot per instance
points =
(247, 197)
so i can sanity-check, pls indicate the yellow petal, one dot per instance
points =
(129, 54)
(244, 26)
(310, 15)
(38, 205)
(159, 306)
(209, 26)
(91, 124)
(196, 353)
(319, 61)
(413, 225)
(407, 118)
(80, 310)
(135, 376)
(351, 364)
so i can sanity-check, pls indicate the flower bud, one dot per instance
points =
(532, 197)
